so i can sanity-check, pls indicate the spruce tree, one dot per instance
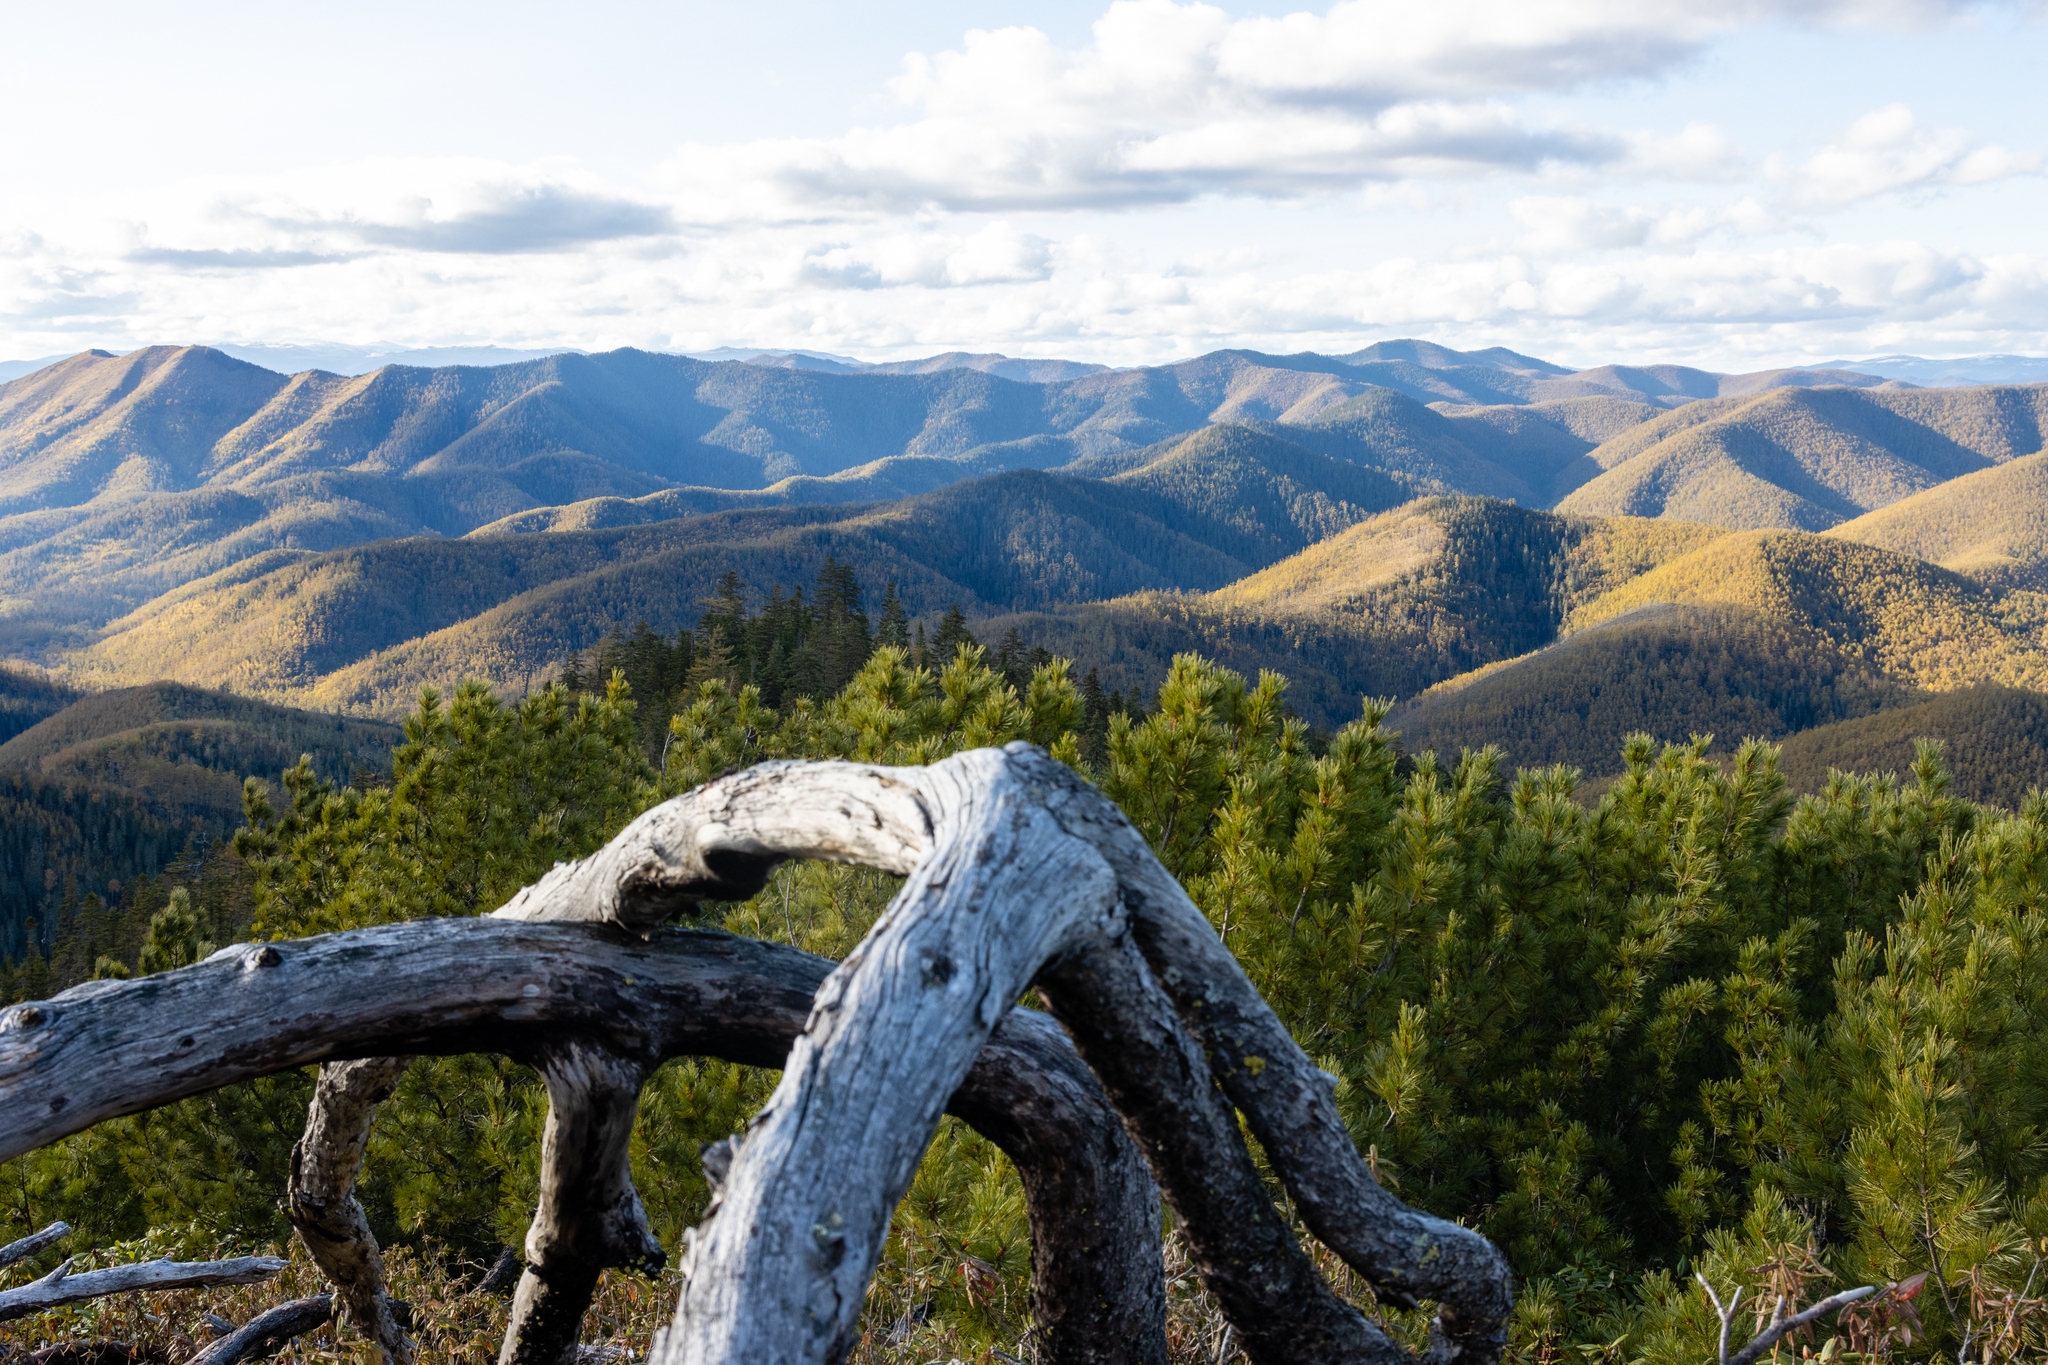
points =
(951, 635)
(894, 627)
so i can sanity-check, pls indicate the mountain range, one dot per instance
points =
(1517, 552)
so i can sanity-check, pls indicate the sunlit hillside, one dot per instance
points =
(1994, 744)
(1805, 458)
(1991, 525)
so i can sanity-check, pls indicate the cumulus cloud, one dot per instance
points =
(214, 258)
(998, 254)
(1387, 166)
(1564, 225)
(321, 215)
(1887, 150)
(1171, 101)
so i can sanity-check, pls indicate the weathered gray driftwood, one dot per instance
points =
(1248, 1258)
(779, 1270)
(1013, 864)
(449, 986)
(320, 1198)
(590, 1216)
(33, 1243)
(60, 1286)
(264, 1335)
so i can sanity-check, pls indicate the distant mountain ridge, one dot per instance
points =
(1953, 371)
(124, 476)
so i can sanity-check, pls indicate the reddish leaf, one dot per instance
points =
(1911, 1285)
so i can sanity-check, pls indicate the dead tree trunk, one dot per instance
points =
(1013, 862)
(321, 1203)
(33, 1243)
(442, 987)
(590, 1216)
(264, 1335)
(1017, 872)
(60, 1286)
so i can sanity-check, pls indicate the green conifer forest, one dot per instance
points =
(1693, 1026)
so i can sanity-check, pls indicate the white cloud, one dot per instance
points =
(1887, 150)
(998, 254)
(1700, 151)
(1172, 101)
(1183, 180)
(1565, 225)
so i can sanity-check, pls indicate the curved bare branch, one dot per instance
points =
(948, 822)
(33, 1243)
(441, 987)
(264, 1335)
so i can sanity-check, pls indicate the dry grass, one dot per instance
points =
(456, 1324)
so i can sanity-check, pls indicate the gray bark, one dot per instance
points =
(33, 1243)
(1407, 1255)
(264, 1335)
(60, 1286)
(754, 1287)
(590, 1216)
(1268, 1288)
(1014, 866)
(441, 987)
(779, 1270)
(320, 1199)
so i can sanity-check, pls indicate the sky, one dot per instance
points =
(1735, 184)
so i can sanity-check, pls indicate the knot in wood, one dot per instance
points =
(22, 1018)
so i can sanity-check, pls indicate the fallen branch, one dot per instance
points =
(60, 1286)
(33, 1243)
(441, 987)
(590, 1216)
(264, 1335)
(1012, 862)
(1780, 1324)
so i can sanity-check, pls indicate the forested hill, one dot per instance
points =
(119, 784)
(1804, 458)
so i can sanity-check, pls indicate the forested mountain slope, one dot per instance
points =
(367, 626)
(1994, 744)
(118, 783)
(1425, 592)
(1662, 669)
(1749, 635)
(1803, 458)
(1991, 525)
(122, 477)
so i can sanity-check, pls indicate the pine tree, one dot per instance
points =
(1094, 718)
(894, 627)
(174, 939)
(952, 634)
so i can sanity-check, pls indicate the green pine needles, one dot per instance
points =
(1694, 1026)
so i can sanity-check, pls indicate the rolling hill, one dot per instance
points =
(1994, 744)
(118, 784)
(365, 627)
(1991, 525)
(122, 477)
(1803, 458)
(1749, 634)
(1672, 671)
